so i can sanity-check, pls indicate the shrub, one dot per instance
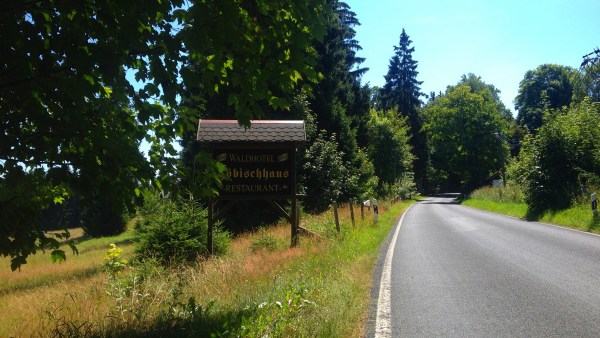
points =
(324, 174)
(264, 241)
(405, 188)
(103, 218)
(511, 193)
(561, 158)
(176, 232)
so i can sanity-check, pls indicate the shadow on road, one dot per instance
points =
(445, 198)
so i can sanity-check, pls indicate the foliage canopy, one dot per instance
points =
(73, 121)
(463, 127)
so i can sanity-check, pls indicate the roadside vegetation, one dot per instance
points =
(258, 287)
(510, 201)
(556, 171)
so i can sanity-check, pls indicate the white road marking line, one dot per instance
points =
(383, 325)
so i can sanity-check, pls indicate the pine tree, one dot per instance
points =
(401, 87)
(402, 91)
(341, 104)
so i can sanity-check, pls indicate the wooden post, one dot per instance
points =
(594, 205)
(297, 218)
(294, 221)
(362, 211)
(375, 210)
(335, 215)
(211, 222)
(350, 203)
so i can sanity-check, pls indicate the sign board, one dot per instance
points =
(257, 171)
(260, 160)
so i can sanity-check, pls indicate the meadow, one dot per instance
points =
(260, 287)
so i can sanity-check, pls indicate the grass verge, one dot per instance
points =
(578, 217)
(262, 287)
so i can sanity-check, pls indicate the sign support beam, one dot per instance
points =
(261, 165)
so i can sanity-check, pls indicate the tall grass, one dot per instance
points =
(40, 272)
(319, 288)
(509, 201)
(504, 194)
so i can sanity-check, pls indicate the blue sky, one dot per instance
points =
(498, 40)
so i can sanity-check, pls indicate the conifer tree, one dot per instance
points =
(340, 104)
(402, 92)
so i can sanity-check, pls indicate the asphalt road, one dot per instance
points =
(460, 272)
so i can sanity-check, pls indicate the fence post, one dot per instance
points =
(335, 215)
(362, 210)
(294, 210)
(350, 203)
(375, 210)
(594, 204)
(211, 222)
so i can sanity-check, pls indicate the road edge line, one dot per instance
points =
(383, 327)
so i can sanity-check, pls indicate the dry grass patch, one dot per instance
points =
(320, 288)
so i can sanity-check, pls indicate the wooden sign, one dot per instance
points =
(260, 162)
(257, 171)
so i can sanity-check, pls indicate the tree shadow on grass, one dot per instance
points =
(534, 215)
(202, 324)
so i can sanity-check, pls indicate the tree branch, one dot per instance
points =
(17, 5)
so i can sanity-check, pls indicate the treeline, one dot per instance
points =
(82, 86)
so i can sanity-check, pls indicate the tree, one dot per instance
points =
(72, 121)
(588, 81)
(401, 89)
(561, 158)
(547, 87)
(341, 104)
(514, 133)
(338, 88)
(402, 92)
(389, 146)
(462, 126)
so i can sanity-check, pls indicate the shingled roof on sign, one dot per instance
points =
(260, 131)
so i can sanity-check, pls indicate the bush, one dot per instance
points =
(176, 232)
(511, 193)
(405, 188)
(563, 157)
(103, 218)
(324, 174)
(264, 241)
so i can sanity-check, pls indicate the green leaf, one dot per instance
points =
(58, 256)
(296, 76)
(89, 79)
(16, 262)
(107, 92)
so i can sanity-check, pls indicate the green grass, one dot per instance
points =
(511, 209)
(322, 292)
(262, 287)
(495, 200)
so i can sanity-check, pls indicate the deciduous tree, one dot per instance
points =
(462, 126)
(562, 157)
(73, 122)
(547, 87)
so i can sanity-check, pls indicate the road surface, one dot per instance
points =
(459, 272)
